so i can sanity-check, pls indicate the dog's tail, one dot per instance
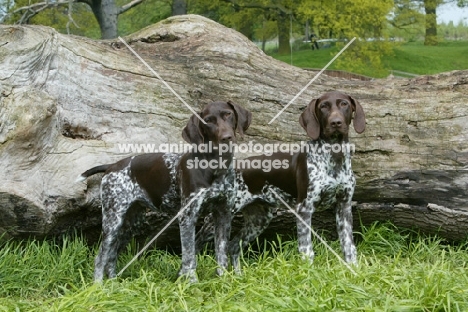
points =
(92, 171)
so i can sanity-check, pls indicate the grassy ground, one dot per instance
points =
(396, 272)
(413, 57)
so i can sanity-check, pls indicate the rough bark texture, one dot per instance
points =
(430, 8)
(107, 15)
(284, 29)
(66, 103)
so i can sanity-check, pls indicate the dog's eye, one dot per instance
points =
(324, 105)
(227, 115)
(344, 103)
(209, 119)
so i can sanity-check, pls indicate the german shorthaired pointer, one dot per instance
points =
(167, 182)
(315, 180)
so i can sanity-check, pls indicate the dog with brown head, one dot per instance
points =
(329, 116)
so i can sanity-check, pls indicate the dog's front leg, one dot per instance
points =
(344, 225)
(187, 222)
(222, 220)
(305, 211)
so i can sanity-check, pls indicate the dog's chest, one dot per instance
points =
(329, 181)
(224, 186)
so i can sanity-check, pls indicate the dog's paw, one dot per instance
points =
(189, 276)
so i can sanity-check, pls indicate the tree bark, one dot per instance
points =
(179, 7)
(284, 46)
(430, 7)
(106, 13)
(69, 103)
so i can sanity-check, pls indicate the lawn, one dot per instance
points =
(412, 57)
(397, 271)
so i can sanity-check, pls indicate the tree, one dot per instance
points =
(281, 11)
(406, 20)
(106, 12)
(265, 31)
(76, 15)
(5, 7)
(337, 20)
(430, 8)
(179, 7)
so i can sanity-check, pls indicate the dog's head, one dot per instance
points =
(222, 120)
(329, 116)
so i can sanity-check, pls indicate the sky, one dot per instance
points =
(450, 12)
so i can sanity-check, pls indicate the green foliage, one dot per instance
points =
(265, 30)
(367, 57)
(339, 18)
(453, 32)
(251, 17)
(146, 13)
(397, 271)
(406, 12)
(86, 23)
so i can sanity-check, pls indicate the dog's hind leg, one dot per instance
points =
(112, 222)
(205, 234)
(257, 217)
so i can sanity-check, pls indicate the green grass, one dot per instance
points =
(417, 58)
(413, 57)
(396, 272)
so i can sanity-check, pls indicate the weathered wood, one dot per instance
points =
(68, 102)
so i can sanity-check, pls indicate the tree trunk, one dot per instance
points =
(69, 103)
(106, 13)
(430, 7)
(179, 7)
(284, 45)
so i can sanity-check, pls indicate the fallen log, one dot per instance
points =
(69, 103)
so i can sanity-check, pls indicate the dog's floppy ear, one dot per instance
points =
(359, 121)
(192, 132)
(243, 118)
(309, 121)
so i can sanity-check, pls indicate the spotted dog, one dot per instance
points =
(314, 180)
(168, 182)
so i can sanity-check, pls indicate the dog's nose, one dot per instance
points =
(226, 138)
(336, 123)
